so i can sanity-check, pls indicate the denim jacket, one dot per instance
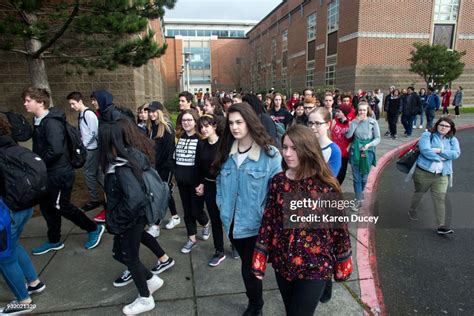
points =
(241, 192)
(450, 151)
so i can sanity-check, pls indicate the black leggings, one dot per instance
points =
(214, 214)
(301, 297)
(126, 249)
(193, 207)
(151, 243)
(342, 172)
(456, 110)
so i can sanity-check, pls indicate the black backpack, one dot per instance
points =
(76, 149)
(21, 129)
(24, 177)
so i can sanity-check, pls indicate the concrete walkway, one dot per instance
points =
(79, 281)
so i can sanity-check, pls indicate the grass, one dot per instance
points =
(469, 109)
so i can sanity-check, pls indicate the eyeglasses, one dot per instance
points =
(445, 126)
(308, 107)
(187, 120)
(316, 123)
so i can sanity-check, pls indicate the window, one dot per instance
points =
(330, 74)
(443, 35)
(183, 32)
(284, 40)
(240, 33)
(310, 74)
(311, 50)
(200, 32)
(311, 32)
(284, 59)
(333, 16)
(191, 32)
(207, 32)
(224, 33)
(332, 44)
(446, 10)
(215, 32)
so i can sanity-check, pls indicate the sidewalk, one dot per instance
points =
(79, 281)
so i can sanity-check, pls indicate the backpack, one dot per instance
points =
(21, 129)
(5, 231)
(76, 149)
(24, 177)
(157, 193)
(84, 117)
(280, 129)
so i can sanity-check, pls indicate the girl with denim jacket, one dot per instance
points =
(434, 169)
(245, 163)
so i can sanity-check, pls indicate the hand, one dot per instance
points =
(200, 190)
(365, 147)
(436, 150)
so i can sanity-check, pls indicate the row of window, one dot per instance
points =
(204, 33)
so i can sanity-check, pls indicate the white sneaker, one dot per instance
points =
(173, 222)
(139, 305)
(420, 127)
(154, 284)
(414, 126)
(154, 230)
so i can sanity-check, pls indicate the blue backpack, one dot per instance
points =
(5, 231)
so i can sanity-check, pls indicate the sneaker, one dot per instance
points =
(154, 230)
(420, 127)
(38, 288)
(387, 133)
(139, 305)
(89, 206)
(94, 237)
(394, 137)
(125, 279)
(188, 246)
(162, 266)
(252, 311)
(217, 259)
(235, 253)
(100, 218)
(154, 284)
(47, 247)
(442, 230)
(412, 215)
(173, 222)
(206, 231)
(16, 308)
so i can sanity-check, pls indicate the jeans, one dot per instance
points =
(18, 267)
(193, 207)
(126, 249)
(407, 122)
(430, 116)
(301, 297)
(214, 214)
(421, 118)
(360, 180)
(91, 171)
(57, 203)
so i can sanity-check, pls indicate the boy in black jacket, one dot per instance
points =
(49, 142)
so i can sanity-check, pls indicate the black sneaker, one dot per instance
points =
(412, 215)
(235, 253)
(387, 133)
(125, 279)
(444, 231)
(89, 206)
(36, 289)
(217, 259)
(16, 308)
(162, 266)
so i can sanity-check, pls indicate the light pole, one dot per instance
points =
(181, 79)
(187, 59)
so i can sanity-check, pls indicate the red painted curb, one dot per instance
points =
(370, 289)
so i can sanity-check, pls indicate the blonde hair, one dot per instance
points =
(163, 124)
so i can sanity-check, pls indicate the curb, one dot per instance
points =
(370, 289)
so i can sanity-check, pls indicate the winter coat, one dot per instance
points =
(108, 111)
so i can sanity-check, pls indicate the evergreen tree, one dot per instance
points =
(88, 34)
(436, 64)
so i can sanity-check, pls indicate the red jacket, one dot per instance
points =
(446, 96)
(338, 136)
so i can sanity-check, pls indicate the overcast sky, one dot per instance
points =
(221, 9)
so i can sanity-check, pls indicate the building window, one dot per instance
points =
(284, 40)
(443, 35)
(283, 78)
(446, 10)
(330, 74)
(333, 16)
(332, 44)
(311, 50)
(310, 74)
(311, 32)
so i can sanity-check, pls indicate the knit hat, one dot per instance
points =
(345, 108)
(155, 105)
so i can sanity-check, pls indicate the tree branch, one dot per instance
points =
(19, 51)
(59, 33)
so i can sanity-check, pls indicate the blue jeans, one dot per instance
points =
(421, 118)
(360, 180)
(18, 267)
(430, 116)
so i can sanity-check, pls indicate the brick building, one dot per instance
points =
(355, 44)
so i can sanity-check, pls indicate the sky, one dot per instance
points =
(246, 10)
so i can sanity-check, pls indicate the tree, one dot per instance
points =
(88, 34)
(436, 64)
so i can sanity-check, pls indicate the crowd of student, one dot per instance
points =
(235, 154)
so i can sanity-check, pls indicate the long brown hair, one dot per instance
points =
(179, 127)
(310, 156)
(255, 128)
(133, 137)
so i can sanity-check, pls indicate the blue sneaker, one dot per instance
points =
(94, 237)
(47, 247)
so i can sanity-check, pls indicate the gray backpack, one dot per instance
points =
(157, 193)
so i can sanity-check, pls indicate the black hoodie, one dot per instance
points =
(107, 110)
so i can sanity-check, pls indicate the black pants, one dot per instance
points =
(301, 297)
(126, 250)
(456, 110)
(193, 207)
(392, 119)
(151, 243)
(342, 172)
(57, 203)
(214, 214)
(407, 121)
(253, 286)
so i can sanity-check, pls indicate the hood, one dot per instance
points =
(6, 141)
(104, 99)
(57, 113)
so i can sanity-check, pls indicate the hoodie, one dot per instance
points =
(107, 110)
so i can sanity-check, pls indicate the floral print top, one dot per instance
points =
(300, 253)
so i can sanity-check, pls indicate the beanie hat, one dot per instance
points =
(345, 108)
